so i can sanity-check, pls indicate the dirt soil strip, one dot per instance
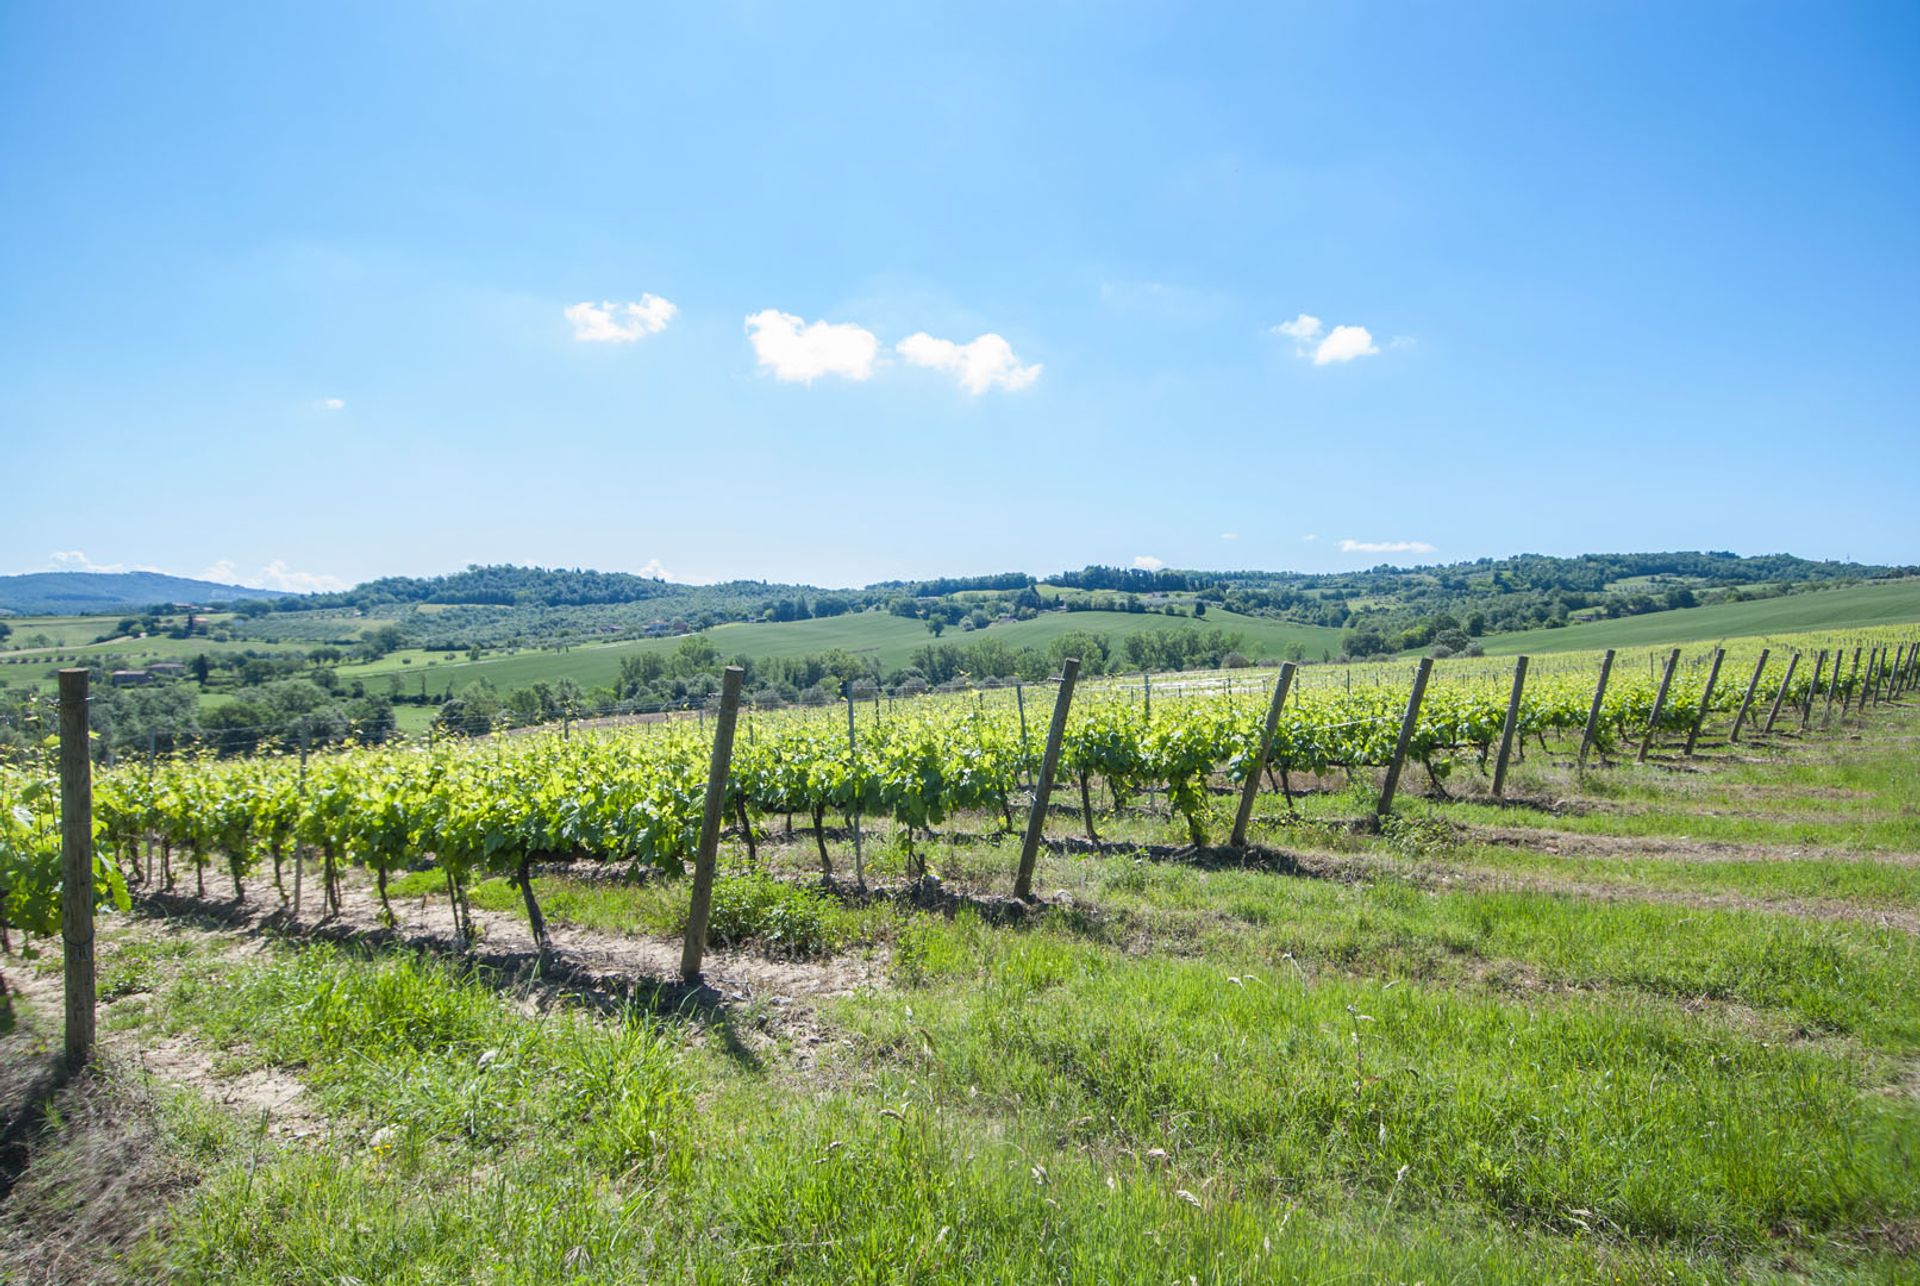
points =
(1672, 847)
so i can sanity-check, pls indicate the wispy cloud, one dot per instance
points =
(1325, 347)
(75, 560)
(653, 568)
(277, 575)
(1343, 344)
(333, 404)
(1385, 547)
(978, 365)
(1147, 563)
(801, 352)
(1229, 535)
(611, 323)
(1311, 536)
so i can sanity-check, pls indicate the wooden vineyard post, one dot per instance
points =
(1813, 690)
(1659, 703)
(1251, 787)
(76, 864)
(1746, 702)
(1781, 695)
(1846, 697)
(1593, 715)
(1506, 729)
(299, 851)
(1833, 685)
(1706, 699)
(1049, 764)
(859, 845)
(1020, 700)
(1407, 724)
(701, 906)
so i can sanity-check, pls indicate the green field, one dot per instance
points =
(1634, 1024)
(891, 639)
(1886, 603)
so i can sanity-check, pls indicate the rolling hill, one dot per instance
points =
(76, 593)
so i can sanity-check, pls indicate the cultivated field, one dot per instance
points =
(1653, 1021)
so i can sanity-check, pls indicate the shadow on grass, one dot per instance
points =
(552, 975)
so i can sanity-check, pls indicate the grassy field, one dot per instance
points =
(891, 639)
(1889, 603)
(1653, 1022)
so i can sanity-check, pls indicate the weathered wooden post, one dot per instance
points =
(299, 849)
(1049, 764)
(1746, 702)
(1251, 786)
(859, 845)
(1706, 699)
(1780, 696)
(1020, 700)
(1833, 686)
(76, 864)
(701, 907)
(1852, 684)
(1593, 715)
(1813, 690)
(1506, 729)
(1407, 724)
(1659, 703)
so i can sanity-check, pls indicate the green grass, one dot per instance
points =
(1360, 1057)
(1857, 606)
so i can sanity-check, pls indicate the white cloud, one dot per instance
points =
(222, 571)
(978, 366)
(1385, 547)
(1343, 344)
(1229, 535)
(655, 570)
(1147, 563)
(604, 324)
(796, 351)
(1311, 536)
(277, 575)
(333, 404)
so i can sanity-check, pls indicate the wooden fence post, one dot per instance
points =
(76, 864)
(1746, 702)
(1020, 700)
(1407, 724)
(859, 845)
(1506, 729)
(1833, 686)
(1853, 675)
(1780, 696)
(1251, 787)
(1049, 764)
(1659, 703)
(1706, 699)
(701, 907)
(1813, 690)
(1593, 715)
(299, 850)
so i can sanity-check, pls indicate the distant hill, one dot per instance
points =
(78, 593)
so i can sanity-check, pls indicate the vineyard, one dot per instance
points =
(496, 808)
(1309, 1012)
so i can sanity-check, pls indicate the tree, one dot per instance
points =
(201, 668)
(1199, 608)
(936, 625)
(5, 630)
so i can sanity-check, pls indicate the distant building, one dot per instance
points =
(130, 678)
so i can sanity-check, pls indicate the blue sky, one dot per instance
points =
(285, 290)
